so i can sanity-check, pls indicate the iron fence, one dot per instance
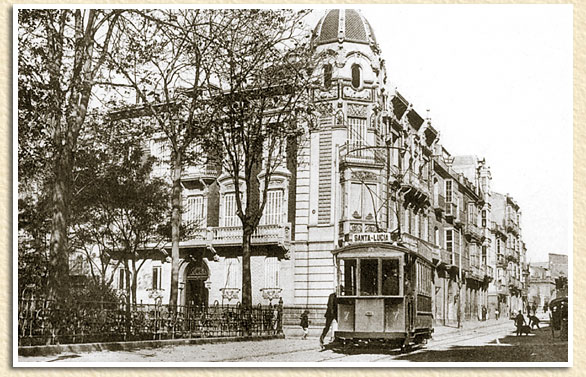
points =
(45, 322)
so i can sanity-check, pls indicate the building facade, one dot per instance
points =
(373, 165)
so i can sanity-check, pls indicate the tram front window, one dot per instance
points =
(348, 278)
(390, 272)
(368, 277)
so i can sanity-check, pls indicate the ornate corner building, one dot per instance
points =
(375, 169)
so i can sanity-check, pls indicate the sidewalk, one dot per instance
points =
(439, 330)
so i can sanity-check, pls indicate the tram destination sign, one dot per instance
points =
(370, 237)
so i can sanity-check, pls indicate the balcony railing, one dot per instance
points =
(512, 255)
(422, 247)
(511, 224)
(502, 288)
(446, 256)
(412, 180)
(473, 231)
(498, 228)
(500, 260)
(264, 234)
(232, 236)
(360, 153)
(204, 172)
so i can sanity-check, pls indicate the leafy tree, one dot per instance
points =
(263, 74)
(61, 52)
(33, 226)
(120, 205)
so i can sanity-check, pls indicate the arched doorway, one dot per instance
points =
(196, 293)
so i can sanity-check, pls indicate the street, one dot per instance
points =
(492, 343)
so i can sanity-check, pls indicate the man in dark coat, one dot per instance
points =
(519, 322)
(331, 314)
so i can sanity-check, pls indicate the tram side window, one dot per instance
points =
(348, 279)
(390, 272)
(368, 277)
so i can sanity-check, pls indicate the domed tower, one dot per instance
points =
(341, 171)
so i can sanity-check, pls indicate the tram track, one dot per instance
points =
(445, 339)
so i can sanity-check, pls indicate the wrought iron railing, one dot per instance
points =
(43, 322)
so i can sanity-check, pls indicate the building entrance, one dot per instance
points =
(196, 293)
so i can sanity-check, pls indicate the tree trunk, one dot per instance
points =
(246, 276)
(127, 298)
(58, 248)
(134, 281)
(175, 226)
(58, 255)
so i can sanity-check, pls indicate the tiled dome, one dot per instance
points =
(343, 25)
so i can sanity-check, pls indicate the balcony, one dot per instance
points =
(499, 229)
(206, 173)
(473, 232)
(476, 273)
(446, 256)
(232, 236)
(501, 288)
(465, 263)
(511, 224)
(423, 248)
(514, 285)
(451, 211)
(500, 260)
(442, 256)
(359, 154)
(415, 189)
(512, 255)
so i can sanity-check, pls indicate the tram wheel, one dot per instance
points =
(406, 346)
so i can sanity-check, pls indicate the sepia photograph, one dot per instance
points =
(292, 186)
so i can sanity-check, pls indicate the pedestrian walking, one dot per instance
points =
(533, 320)
(331, 314)
(496, 314)
(483, 313)
(305, 323)
(520, 322)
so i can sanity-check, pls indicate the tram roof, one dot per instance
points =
(373, 247)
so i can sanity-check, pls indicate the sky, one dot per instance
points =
(497, 80)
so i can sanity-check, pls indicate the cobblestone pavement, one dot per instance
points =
(488, 341)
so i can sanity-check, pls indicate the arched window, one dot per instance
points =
(328, 76)
(356, 79)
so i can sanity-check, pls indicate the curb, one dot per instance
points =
(132, 345)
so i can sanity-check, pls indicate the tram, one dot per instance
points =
(384, 295)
